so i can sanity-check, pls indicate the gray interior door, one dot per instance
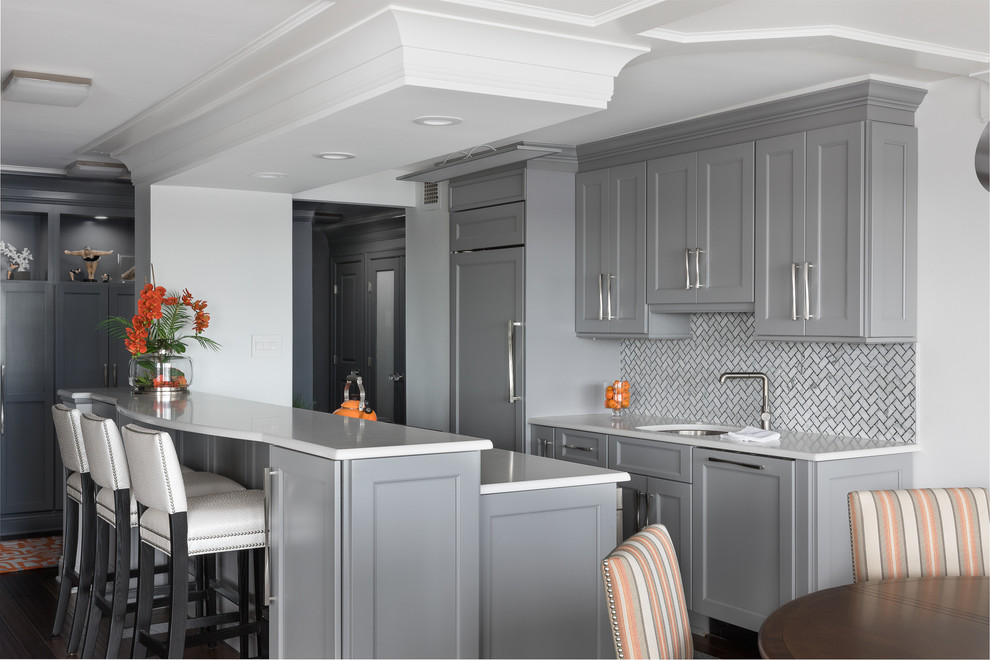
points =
(385, 382)
(486, 346)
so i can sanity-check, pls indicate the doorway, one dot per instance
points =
(365, 291)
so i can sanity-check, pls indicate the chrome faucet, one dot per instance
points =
(765, 412)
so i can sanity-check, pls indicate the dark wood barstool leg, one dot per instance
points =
(99, 586)
(84, 592)
(178, 584)
(70, 537)
(243, 597)
(260, 606)
(121, 573)
(145, 597)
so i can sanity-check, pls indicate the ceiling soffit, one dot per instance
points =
(297, 75)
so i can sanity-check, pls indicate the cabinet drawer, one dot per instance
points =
(580, 447)
(666, 460)
(491, 226)
(487, 190)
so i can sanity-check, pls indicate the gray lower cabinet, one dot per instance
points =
(700, 230)
(744, 536)
(541, 440)
(580, 447)
(659, 491)
(836, 233)
(768, 530)
(541, 589)
(30, 498)
(375, 558)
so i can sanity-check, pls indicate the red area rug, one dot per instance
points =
(26, 554)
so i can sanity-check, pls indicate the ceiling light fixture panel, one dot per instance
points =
(437, 120)
(335, 155)
(45, 88)
(269, 175)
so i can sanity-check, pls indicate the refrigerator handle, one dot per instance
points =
(512, 325)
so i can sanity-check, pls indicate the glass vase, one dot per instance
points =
(160, 372)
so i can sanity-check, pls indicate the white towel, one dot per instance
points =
(753, 436)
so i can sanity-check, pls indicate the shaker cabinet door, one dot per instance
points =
(591, 242)
(625, 294)
(834, 241)
(725, 224)
(780, 233)
(672, 211)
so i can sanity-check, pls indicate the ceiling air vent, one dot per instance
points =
(431, 195)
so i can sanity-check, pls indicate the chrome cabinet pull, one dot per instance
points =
(807, 290)
(687, 269)
(579, 447)
(601, 296)
(745, 465)
(794, 268)
(610, 277)
(114, 372)
(106, 375)
(269, 473)
(512, 361)
(3, 399)
(642, 510)
(697, 268)
(548, 448)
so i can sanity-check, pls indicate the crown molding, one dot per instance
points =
(311, 67)
(869, 99)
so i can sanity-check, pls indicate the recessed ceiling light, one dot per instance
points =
(99, 217)
(269, 175)
(335, 155)
(437, 120)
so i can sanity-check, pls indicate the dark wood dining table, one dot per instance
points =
(937, 617)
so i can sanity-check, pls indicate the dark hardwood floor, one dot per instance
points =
(27, 610)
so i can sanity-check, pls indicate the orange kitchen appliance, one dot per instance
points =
(357, 409)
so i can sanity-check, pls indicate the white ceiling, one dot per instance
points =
(188, 92)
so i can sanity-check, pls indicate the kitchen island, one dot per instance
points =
(754, 526)
(376, 542)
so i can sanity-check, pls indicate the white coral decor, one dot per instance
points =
(20, 259)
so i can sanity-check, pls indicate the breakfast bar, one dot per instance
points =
(394, 541)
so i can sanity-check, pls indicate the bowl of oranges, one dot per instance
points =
(617, 396)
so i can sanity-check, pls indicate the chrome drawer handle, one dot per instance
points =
(577, 447)
(745, 465)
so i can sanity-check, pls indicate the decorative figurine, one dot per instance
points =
(92, 259)
(128, 275)
(105, 278)
(73, 273)
(19, 265)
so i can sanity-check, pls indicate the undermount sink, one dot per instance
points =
(687, 429)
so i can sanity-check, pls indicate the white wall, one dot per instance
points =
(233, 249)
(428, 317)
(953, 291)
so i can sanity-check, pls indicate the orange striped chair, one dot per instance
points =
(647, 612)
(919, 532)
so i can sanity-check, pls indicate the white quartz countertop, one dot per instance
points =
(793, 444)
(306, 431)
(508, 471)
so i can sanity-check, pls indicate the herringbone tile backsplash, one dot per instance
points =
(864, 390)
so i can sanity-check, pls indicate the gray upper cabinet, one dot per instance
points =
(87, 356)
(487, 227)
(610, 240)
(836, 233)
(700, 230)
(610, 233)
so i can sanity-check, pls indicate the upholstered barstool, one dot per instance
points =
(116, 514)
(646, 607)
(182, 527)
(79, 508)
(919, 532)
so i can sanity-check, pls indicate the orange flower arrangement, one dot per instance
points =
(155, 332)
